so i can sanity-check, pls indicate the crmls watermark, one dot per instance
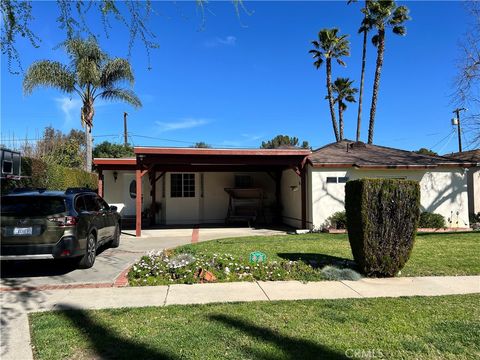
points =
(365, 354)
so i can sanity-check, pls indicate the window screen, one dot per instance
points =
(243, 181)
(342, 180)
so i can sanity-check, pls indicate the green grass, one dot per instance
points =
(433, 254)
(446, 327)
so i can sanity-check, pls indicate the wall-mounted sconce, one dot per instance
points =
(115, 176)
(294, 187)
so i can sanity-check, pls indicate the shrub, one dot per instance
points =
(37, 173)
(382, 218)
(431, 220)
(337, 221)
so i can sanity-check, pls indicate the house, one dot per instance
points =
(473, 179)
(297, 187)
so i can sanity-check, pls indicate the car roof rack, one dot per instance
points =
(28, 189)
(75, 190)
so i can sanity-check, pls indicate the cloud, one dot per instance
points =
(218, 41)
(70, 108)
(186, 123)
(247, 140)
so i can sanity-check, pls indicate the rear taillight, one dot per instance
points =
(64, 220)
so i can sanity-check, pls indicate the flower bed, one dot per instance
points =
(165, 267)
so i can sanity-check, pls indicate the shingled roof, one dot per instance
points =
(471, 156)
(348, 153)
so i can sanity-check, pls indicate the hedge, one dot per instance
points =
(431, 220)
(382, 219)
(37, 173)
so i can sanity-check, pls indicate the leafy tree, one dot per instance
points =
(364, 29)
(132, 15)
(344, 92)
(202, 144)
(280, 141)
(330, 45)
(107, 149)
(91, 74)
(425, 151)
(55, 147)
(382, 15)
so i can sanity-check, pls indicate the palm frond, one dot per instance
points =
(49, 73)
(125, 95)
(114, 70)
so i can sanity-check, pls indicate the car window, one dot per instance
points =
(102, 203)
(91, 204)
(32, 205)
(80, 204)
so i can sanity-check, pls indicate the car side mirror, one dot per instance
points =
(113, 208)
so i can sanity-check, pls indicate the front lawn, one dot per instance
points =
(446, 327)
(302, 257)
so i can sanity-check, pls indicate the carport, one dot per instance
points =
(155, 162)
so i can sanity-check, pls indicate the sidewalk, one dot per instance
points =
(16, 335)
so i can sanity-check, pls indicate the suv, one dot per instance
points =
(39, 224)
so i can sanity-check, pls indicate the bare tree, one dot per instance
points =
(467, 82)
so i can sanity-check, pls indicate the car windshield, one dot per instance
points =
(32, 205)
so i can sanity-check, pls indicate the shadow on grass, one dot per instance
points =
(320, 260)
(293, 348)
(106, 344)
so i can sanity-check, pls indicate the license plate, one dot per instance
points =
(23, 231)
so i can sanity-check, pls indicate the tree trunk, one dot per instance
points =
(88, 148)
(330, 99)
(87, 120)
(362, 80)
(340, 119)
(376, 83)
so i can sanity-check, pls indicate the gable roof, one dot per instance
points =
(348, 153)
(471, 156)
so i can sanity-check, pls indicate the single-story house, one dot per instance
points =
(473, 179)
(297, 187)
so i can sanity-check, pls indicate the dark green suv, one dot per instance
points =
(39, 224)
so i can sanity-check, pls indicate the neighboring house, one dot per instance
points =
(297, 187)
(473, 179)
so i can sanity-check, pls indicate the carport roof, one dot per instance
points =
(200, 159)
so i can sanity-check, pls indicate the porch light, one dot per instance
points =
(115, 176)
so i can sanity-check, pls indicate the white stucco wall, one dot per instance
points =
(117, 192)
(291, 199)
(443, 191)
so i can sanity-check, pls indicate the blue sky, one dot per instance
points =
(239, 81)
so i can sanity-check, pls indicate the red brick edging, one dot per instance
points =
(120, 281)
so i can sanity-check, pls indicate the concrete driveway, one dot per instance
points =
(110, 263)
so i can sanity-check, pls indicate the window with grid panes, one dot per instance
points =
(182, 185)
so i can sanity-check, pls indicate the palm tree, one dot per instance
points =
(382, 14)
(330, 46)
(91, 74)
(342, 88)
(364, 29)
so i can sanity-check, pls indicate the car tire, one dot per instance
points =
(87, 260)
(116, 237)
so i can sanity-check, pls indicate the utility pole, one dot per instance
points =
(125, 133)
(457, 112)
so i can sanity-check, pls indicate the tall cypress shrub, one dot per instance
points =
(382, 219)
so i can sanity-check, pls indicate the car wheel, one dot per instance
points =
(116, 237)
(88, 259)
